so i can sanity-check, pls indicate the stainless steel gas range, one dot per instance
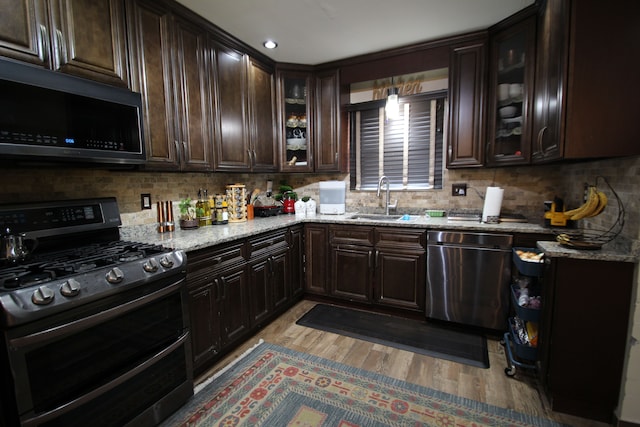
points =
(95, 330)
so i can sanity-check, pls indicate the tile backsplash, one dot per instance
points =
(526, 188)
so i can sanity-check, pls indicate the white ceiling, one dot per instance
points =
(317, 31)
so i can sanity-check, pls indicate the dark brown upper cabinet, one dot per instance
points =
(85, 38)
(587, 71)
(309, 120)
(244, 113)
(295, 112)
(170, 68)
(327, 122)
(467, 86)
(510, 94)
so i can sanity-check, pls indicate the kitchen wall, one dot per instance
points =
(525, 190)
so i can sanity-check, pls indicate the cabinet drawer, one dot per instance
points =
(215, 258)
(267, 243)
(400, 238)
(354, 235)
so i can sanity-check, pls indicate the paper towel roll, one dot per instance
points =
(492, 203)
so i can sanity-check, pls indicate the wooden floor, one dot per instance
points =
(521, 393)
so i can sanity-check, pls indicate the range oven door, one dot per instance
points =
(116, 363)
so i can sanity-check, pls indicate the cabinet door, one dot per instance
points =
(351, 270)
(582, 381)
(296, 124)
(232, 144)
(316, 244)
(262, 133)
(296, 248)
(279, 266)
(466, 100)
(151, 49)
(235, 319)
(260, 291)
(602, 78)
(400, 278)
(88, 39)
(550, 81)
(400, 268)
(205, 326)
(326, 124)
(24, 31)
(194, 139)
(510, 95)
(84, 37)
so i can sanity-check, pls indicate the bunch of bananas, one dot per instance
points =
(595, 204)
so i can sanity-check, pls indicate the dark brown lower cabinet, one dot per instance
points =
(269, 283)
(218, 306)
(234, 300)
(205, 329)
(238, 287)
(316, 255)
(384, 266)
(401, 268)
(351, 272)
(585, 322)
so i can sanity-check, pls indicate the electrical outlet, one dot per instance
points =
(459, 189)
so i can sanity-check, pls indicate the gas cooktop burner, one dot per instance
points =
(46, 267)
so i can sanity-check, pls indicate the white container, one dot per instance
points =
(311, 207)
(332, 197)
(503, 91)
(300, 208)
(515, 90)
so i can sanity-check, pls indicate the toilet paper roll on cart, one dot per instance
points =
(492, 204)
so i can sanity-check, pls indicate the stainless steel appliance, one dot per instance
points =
(46, 115)
(95, 330)
(468, 277)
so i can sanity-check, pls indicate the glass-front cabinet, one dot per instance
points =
(296, 124)
(511, 74)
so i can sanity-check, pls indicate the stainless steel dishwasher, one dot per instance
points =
(468, 276)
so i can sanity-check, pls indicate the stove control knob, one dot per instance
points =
(151, 266)
(115, 275)
(166, 262)
(42, 296)
(70, 288)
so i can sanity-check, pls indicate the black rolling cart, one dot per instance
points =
(520, 340)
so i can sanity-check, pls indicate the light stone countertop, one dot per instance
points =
(607, 253)
(203, 237)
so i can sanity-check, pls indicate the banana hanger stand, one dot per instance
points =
(593, 237)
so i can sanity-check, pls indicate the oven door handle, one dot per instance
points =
(69, 406)
(95, 319)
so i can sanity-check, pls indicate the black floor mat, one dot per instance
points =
(405, 334)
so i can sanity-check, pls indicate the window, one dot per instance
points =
(408, 150)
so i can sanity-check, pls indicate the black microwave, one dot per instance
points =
(47, 115)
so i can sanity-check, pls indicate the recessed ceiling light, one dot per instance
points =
(270, 44)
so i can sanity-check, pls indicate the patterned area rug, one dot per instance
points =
(276, 387)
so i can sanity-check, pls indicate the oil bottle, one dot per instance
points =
(203, 211)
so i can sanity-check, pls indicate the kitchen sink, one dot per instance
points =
(377, 217)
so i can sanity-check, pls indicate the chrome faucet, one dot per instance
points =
(384, 180)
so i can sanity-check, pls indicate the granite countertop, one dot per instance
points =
(607, 253)
(200, 238)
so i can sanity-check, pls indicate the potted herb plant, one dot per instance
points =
(188, 217)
